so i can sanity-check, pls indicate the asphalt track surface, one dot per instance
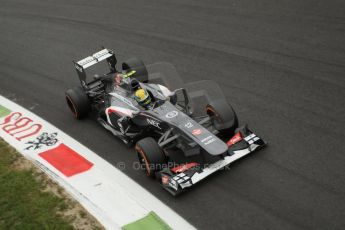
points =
(280, 63)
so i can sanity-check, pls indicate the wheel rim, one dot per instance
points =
(212, 113)
(143, 160)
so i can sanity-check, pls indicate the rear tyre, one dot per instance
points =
(78, 102)
(150, 156)
(223, 116)
(138, 65)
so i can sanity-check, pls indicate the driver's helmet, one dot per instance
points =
(142, 97)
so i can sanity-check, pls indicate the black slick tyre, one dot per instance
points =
(223, 115)
(78, 102)
(150, 156)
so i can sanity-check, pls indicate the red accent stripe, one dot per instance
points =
(116, 111)
(236, 138)
(66, 160)
(112, 111)
(183, 168)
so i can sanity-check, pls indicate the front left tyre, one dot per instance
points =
(223, 117)
(78, 102)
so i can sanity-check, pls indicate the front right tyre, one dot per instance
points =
(150, 155)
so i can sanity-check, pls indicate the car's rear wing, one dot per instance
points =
(85, 63)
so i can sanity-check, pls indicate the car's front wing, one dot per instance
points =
(240, 145)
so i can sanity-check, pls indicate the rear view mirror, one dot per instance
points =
(180, 97)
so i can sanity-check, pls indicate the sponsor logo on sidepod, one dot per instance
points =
(153, 123)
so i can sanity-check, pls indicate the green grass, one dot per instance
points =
(23, 203)
(4, 111)
(149, 222)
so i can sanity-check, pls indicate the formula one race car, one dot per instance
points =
(181, 135)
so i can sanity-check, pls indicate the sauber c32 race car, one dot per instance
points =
(181, 134)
